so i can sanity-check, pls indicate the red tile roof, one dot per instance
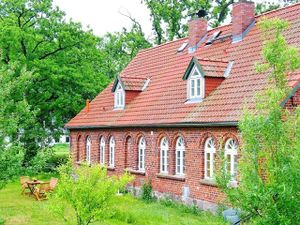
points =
(164, 100)
(213, 68)
(133, 83)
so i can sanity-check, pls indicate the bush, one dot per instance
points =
(11, 159)
(56, 161)
(89, 191)
(147, 194)
(2, 221)
(40, 162)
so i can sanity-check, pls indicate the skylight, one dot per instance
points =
(213, 37)
(182, 47)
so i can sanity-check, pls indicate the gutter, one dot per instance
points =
(164, 125)
(290, 95)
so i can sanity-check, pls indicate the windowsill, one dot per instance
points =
(171, 177)
(132, 171)
(209, 182)
(233, 184)
(111, 168)
(119, 107)
(193, 100)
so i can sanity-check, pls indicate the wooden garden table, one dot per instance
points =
(32, 185)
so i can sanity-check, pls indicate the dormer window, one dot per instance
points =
(195, 85)
(119, 97)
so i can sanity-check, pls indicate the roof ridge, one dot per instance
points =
(133, 77)
(278, 9)
(212, 60)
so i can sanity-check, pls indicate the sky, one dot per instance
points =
(104, 15)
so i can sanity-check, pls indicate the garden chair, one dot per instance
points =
(41, 191)
(23, 182)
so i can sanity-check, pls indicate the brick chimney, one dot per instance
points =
(197, 30)
(243, 13)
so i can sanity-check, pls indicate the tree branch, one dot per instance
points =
(60, 48)
(37, 45)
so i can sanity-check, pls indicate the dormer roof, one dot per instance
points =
(130, 83)
(208, 67)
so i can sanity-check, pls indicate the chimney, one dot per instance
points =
(87, 105)
(243, 13)
(197, 30)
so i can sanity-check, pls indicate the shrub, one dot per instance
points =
(89, 191)
(147, 194)
(40, 162)
(11, 159)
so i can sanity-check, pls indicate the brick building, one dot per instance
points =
(164, 116)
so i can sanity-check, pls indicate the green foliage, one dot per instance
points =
(88, 191)
(65, 64)
(269, 167)
(11, 159)
(119, 48)
(147, 194)
(173, 14)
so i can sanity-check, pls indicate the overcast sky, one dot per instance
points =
(103, 15)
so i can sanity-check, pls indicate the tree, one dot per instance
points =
(172, 14)
(120, 48)
(14, 114)
(269, 168)
(89, 191)
(65, 62)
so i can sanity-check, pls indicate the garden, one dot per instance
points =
(22, 209)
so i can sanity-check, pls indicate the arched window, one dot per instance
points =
(231, 148)
(209, 155)
(88, 147)
(112, 152)
(164, 147)
(180, 155)
(142, 147)
(102, 150)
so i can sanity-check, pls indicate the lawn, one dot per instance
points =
(61, 149)
(24, 210)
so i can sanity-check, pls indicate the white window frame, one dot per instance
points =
(88, 148)
(180, 156)
(231, 151)
(141, 155)
(209, 150)
(119, 97)
(102, 151)
(195, 77)
(164, 148)
(112, 144)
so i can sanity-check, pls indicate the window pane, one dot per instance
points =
(198, 87)
(228, 162)
(192, 88)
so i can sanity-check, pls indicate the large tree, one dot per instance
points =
(65, 62)
(169, 16)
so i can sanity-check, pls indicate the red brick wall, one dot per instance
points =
(243, 13)
(294, 101)
(211, 83)
(130, 95)
(126, 153)
(197, 30)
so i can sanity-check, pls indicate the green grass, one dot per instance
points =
(17, 209)
(61, 149)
